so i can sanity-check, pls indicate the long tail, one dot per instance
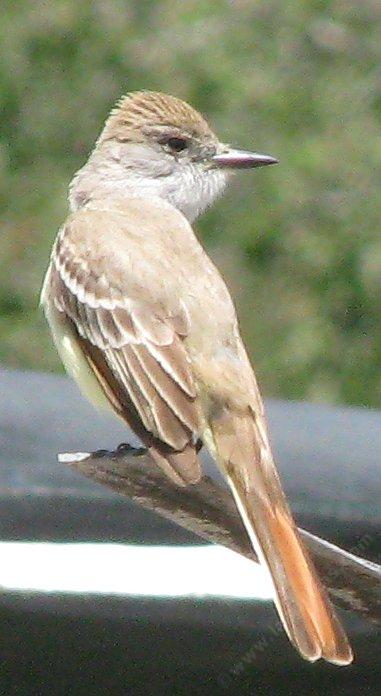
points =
(242, 450)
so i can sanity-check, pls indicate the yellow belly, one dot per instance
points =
(73, 359)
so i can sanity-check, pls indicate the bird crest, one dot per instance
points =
(137, 113)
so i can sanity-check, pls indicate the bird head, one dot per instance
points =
(157, 145)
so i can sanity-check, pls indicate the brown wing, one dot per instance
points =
(137, 353)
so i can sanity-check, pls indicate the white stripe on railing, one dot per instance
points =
(151, 571)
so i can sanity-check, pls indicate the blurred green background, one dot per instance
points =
(299, 244)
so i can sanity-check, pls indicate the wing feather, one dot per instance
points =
(143, 347)
(175, 364)
(166, 387)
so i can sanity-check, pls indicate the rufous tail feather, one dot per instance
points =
(302, 602)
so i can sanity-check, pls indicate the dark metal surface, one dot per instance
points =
(94, 645)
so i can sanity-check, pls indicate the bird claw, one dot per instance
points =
(126, 448)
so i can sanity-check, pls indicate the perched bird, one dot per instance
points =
(144, 322)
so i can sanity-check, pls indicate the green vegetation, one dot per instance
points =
(300, 244)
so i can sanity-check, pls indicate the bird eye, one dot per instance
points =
(176, 144)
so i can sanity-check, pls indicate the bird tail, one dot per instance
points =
(242, 450)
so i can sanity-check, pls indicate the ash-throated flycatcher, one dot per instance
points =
(144, 322)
